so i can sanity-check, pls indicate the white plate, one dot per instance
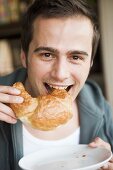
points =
(78, 157)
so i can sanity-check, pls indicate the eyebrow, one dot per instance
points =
(53, 50)
(79, 52)
(50, 49)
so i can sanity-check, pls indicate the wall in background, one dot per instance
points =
(106, 22)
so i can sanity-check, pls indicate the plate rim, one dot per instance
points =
(67, 146)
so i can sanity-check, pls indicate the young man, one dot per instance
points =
(59, 41)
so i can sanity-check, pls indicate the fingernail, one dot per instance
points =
(105, 166)
(17, 91)
(19, 99)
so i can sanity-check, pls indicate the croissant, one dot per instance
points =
(45, 112)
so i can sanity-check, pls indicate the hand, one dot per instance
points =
(97, 142)
(8, 94)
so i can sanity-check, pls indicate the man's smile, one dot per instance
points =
(51, 87)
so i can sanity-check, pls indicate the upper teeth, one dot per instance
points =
(58, 87)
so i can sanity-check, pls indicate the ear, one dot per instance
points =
(23, 58)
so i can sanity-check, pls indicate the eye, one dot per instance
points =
(47, 55)
(75, 57)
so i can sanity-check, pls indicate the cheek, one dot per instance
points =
(38, 69)
(80, 73)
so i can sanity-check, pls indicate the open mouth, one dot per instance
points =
(50, 88)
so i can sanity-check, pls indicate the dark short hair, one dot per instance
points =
(57, 9)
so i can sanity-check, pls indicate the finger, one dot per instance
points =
(7, 110)
(108, 166)
(9, 90)
(111, 160)
(6, 98)
(98, 142)
(6, 118)
(105, 167)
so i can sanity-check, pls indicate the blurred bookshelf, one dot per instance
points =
(11, 12)
(10, 30)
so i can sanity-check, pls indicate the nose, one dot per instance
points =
(60, 71)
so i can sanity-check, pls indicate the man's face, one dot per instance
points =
(59, 55)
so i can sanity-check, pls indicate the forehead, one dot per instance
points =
(73, 22)
(77, 30)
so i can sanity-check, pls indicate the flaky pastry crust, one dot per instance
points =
(44, 112)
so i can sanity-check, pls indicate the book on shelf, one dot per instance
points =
(12, 10)
(4, 12)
